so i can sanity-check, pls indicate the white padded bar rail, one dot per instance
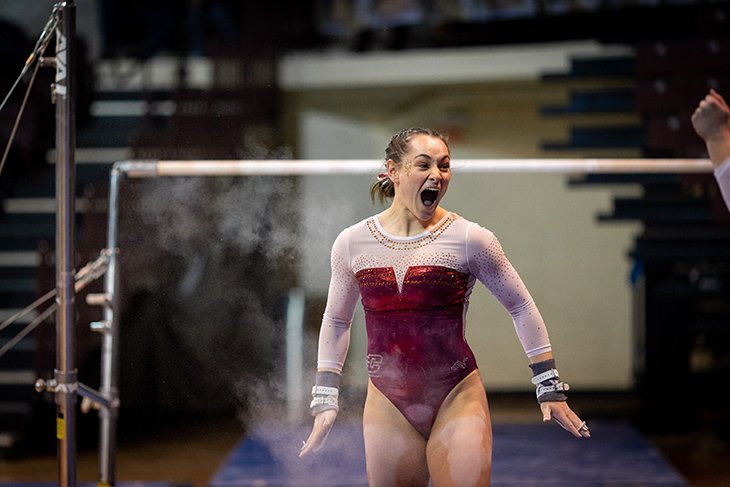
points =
(275, 167)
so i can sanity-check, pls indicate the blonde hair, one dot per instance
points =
(398, 146)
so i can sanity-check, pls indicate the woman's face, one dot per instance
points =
(423, 176)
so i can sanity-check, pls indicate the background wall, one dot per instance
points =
(576, 268)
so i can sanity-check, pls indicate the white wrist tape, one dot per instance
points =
(325, 398)
(555, 387)
(325, 391)
(547, 382)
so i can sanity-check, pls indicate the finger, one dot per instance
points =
(716, 102)
(321, 429)
(307, 446)
(313, 443)
(573, 424)
(717, 97)
(546, 413)
(310, 446)
(315, 440)
(303, 451)
(584, 430)
(569, 421)
(723, 103)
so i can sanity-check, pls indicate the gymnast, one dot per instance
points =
(414, 266)
(711, 121)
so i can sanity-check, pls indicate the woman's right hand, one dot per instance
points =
(322, 425)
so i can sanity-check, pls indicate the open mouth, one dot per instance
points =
(429, 196)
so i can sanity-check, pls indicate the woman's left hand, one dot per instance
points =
(565, 417)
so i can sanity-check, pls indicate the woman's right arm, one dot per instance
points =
(334, 342)
(342, 296)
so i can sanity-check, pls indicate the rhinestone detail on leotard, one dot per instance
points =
(408, 244)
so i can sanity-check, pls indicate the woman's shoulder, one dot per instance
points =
(470, 228)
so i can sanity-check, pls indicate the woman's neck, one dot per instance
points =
(403, 223)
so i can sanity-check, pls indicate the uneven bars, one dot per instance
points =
(303, 167)
(155, 168)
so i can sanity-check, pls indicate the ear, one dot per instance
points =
(392, 169)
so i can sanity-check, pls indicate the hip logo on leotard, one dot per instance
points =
(374, 362)
(460, 364)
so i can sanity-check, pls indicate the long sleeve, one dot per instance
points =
(342, 296)
(722, 174)
(490, 265)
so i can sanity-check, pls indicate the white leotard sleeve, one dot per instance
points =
(722, 174)
(489, 264)
(334, 336)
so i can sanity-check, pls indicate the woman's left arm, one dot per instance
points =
(489, 263)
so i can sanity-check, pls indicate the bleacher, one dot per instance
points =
(155, 106)
(681, 258)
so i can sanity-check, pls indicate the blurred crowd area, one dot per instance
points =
(137, 28)
(147, 28)
(142, 28)
(336, 16)
(341, 20)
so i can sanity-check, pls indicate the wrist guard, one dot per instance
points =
(325, 393)
(548, 383)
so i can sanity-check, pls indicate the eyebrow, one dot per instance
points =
(430, 158)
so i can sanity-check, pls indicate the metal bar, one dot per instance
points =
(110, 344)
(65, 374)
(153, 168)
(95, 396)
(139, 169)
(295, 355)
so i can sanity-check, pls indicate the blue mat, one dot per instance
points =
(524, 456)
(94, 484)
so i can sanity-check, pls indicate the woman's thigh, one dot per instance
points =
(459, 450)
(395, 453)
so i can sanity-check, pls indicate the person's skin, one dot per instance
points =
(426, 165)
(457, 452)
(711, 121)
(460, 443)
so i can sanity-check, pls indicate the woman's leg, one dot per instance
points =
(459, 450)
(395, 453)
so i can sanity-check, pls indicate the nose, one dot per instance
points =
(435, 174)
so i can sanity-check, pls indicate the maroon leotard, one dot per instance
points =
(415, 294)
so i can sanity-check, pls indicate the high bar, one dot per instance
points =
(303, 167)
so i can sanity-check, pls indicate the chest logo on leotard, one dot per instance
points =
(374, 362)
(460, 364)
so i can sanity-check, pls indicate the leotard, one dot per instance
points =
(415, 293)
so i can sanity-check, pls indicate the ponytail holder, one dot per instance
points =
(383, 177)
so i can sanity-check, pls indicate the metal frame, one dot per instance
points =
(65, 374)
(151, 169)
(65, 385)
